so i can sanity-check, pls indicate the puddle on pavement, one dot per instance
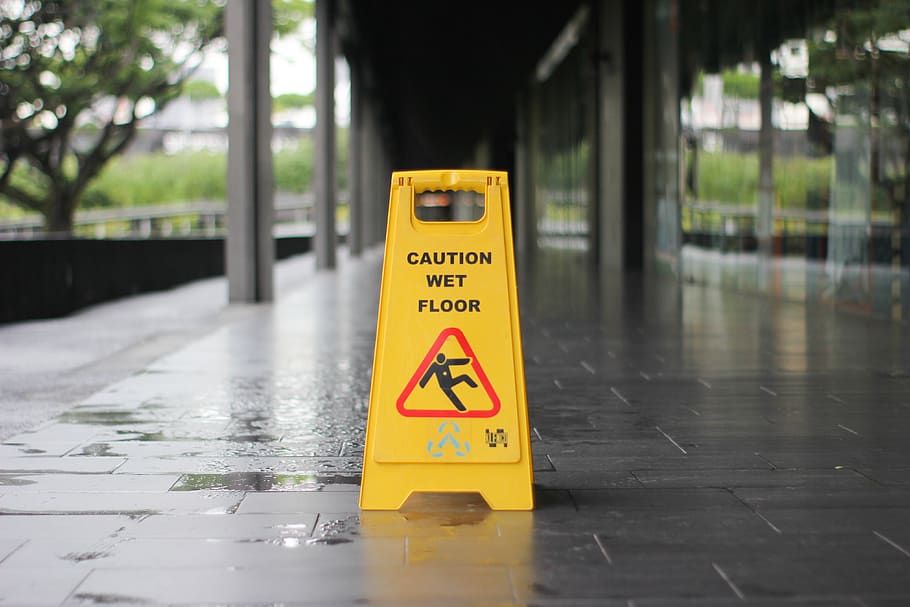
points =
(104, 417)
(284, 542)
(333, 532)
(99, 450)
(15, 481)
(252, 438)
(81, 557)
(91, 598)
(145, 437)
(262, 481)
(328, 541)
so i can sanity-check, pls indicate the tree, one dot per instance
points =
(89, 65)
(862, 48)
(291, 101)
(201, 90)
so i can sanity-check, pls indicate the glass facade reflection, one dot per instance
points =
(563, 142)
(795, 153)
(776, 140)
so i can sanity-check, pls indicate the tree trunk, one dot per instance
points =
(58, 219)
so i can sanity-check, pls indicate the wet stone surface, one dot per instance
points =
(691, 447)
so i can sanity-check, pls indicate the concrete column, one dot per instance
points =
(367, 174)
(356, 204)
(650, 125)
(324, 152)
(523, 180)
(610, 136)
(249, 246)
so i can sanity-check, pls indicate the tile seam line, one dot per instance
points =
(755, 511)
(603, 549)
(723, 575)
(14, 551)
(513, 586)
(72, 594)
(892, 543)
(620, 396)
(670, 438)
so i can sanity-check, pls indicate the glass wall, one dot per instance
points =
(795, 150)
(563, 140)
(661, 128)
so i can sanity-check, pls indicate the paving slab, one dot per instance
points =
(252, 527)
(52, 502)
(38, 586)
(350, 584)
(64, 526)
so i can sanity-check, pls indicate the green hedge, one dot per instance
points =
(733, 178)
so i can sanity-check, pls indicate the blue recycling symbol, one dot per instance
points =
(437, 448)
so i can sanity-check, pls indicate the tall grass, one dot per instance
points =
(158, 178)
(131, 181)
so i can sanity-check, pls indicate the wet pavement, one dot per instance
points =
(691, 447)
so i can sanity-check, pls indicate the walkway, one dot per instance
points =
(691, 447)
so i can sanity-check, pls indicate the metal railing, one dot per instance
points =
(294, 215)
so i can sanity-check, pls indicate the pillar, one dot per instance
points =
(324, 153)
(610, 136)
(249, 246)
(356, 204)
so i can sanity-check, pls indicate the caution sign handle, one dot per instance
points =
(473, 181)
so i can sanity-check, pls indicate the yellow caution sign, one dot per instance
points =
(448, 409)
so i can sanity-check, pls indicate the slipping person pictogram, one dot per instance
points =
(440, 369)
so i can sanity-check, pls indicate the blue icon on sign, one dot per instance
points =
(448, 440)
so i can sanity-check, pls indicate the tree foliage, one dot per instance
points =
(862, 43)
(201, 90)
(291, 101)
(289, 14)
(66, 65)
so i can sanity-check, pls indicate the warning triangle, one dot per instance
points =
(449, 382)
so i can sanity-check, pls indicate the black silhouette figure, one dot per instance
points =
(443, 374)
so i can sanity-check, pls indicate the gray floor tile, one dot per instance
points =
(38, 586)
(119, 503)
(298, 502)
(61, 465)
(196, 553)
(230, 526)
(63, 526)
(85, 483)
(316, 585)
(825, 478)
(8, 546)
(228, 464)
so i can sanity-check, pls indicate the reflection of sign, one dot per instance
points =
(449, 442)
(448, 332)
(444, 391)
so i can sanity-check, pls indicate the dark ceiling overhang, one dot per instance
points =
(445, 75)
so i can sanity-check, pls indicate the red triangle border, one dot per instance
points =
(425, 363)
